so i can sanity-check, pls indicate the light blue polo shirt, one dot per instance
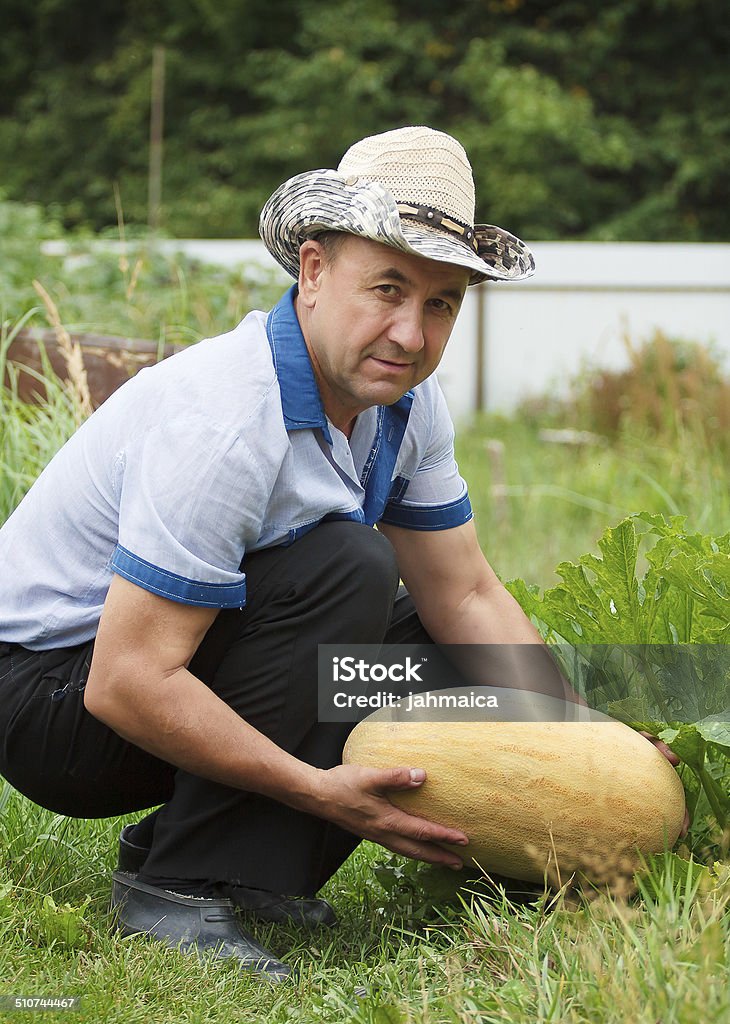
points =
(217, 451)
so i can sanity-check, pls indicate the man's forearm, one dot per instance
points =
(491, 641)
(487, 616)
(180, 720)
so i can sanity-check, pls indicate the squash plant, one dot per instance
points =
(643, 633)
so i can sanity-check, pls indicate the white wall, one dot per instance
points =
(583, 300)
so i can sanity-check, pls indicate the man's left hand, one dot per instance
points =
(674, 761)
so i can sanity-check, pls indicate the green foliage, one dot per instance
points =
(603, 121)
(538, 502)
(709, 760)
(64, 923)
(623, 630)
(682, 597)
(672, 390)
(130, 286)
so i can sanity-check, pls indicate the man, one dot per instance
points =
(168, 578)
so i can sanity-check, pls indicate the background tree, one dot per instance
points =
(582, 121)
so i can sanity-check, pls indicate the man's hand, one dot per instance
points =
(674, 761)
(356, 799)
(662, 748)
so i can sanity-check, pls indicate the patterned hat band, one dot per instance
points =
(411, 189)
(436, 219)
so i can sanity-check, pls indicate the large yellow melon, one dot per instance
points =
(586, 794)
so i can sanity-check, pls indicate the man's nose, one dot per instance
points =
(407, 328)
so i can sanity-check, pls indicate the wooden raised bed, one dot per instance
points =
(109, 361)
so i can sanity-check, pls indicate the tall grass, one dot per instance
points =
(653, 437)
(671, 387)
(474, 954)
(132, 288)
(31, 434)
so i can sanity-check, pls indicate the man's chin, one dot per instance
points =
(386, 392)
(388, 395)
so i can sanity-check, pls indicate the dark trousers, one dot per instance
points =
(337, 584)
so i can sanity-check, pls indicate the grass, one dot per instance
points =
(538, 502)
(478, 956)
(134, 290)
(30, 435)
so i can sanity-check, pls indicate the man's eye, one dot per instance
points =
(441, 306)
(387, 289)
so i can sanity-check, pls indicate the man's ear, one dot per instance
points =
(312, 264)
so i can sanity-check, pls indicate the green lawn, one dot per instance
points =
(664, 958)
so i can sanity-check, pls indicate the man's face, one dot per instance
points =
(375, 321)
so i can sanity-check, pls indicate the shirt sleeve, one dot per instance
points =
(434, 497)
(191, 497)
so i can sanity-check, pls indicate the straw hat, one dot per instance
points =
(411, 188)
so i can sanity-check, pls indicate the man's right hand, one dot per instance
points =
(356, 799)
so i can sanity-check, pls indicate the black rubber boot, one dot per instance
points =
(131, 856)
(191, 924)
(263, 905)
(308, 912)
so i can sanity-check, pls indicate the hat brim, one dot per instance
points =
(324, 200)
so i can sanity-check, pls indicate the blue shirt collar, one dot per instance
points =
(300, 398)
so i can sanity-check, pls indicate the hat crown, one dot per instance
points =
(418, 166)
(410, 188)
